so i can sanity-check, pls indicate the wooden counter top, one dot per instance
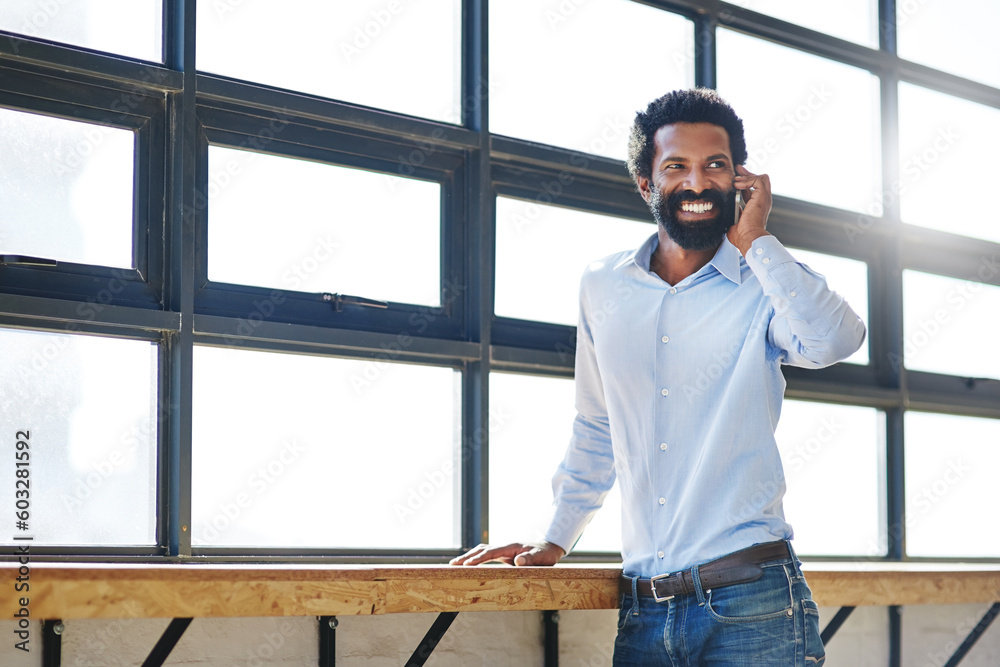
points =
(116, 590)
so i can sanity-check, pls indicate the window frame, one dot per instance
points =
(238, 126)
(38, 90)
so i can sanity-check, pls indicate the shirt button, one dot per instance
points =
(673, 290)
(765, 261)
(664, 391)
(660, 554)
(666, 339)
(792, 294)
(759, 250)
(663, 446)
(663, 501)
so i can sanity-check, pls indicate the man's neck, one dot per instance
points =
(673, 263)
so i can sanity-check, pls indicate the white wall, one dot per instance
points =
(931, 635)
(494, 639)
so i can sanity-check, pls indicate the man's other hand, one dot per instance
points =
(541, 553)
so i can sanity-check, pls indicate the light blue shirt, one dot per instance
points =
(678, 392)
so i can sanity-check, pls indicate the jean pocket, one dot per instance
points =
(766, 599)
(624, 611)
(814, 649)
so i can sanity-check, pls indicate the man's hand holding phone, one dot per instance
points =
(755, 193)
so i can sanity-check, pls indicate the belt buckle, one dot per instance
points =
(652, 586)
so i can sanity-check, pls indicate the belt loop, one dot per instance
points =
(696, 580)
(796, 563)
(791, 552)
(635, 595)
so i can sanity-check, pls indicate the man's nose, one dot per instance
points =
(697, 181)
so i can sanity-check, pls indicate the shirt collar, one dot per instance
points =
(726, 259)
(641, 255)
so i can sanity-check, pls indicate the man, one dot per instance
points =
(678, 391)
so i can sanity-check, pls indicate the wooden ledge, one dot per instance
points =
(116, 590)
(202, 590)
(878, 584)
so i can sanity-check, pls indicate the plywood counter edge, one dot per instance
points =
(115, 590)
(70, 590)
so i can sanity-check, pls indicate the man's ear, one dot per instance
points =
(644, 190)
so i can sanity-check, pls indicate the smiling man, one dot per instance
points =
(678, 392)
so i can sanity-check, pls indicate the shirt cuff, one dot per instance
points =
(766, 252)
(565, 528)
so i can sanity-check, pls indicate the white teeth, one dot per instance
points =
(693, 207)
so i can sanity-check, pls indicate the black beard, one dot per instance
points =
(700, 235)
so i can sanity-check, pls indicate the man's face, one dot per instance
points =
(691, 193)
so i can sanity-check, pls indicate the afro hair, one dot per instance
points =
(699, 105)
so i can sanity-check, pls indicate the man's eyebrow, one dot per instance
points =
(710, 158)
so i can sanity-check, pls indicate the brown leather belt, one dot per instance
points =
(738, 567)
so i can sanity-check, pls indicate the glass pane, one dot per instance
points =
(380, 53)
(951, 465)
(849, 277)
(89, 407)
(854, 20)
(301, 451)
(939, 137)
(824, 449)
(65, 190)
(963, 33)
(949, 325)
(531, 420)
(127, 27)
(574, 74)
(801, 125)
(310, 227)
(528, 234)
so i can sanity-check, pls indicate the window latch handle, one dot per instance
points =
(340, 300)
(26, 260)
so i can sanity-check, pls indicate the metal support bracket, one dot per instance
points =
(974, 636)
(167, 642)
(431, 639)
(838, 620)
(327, 641)
(550, 621)
(52, 642)
(895, 636)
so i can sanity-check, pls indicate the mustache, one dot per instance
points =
(716, 197)
(694, 236)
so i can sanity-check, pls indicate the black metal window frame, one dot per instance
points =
(117, 105)
(178, 113)
(290, 133)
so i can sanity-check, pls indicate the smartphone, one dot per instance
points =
(738, 207)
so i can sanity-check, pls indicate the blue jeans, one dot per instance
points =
(769, 622)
